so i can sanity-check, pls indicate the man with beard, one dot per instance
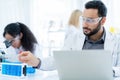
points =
(95, 35)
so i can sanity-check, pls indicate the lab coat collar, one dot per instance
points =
(109, 41)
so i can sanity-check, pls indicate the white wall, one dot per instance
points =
(38, 13)
(34, 12)
(13, 11)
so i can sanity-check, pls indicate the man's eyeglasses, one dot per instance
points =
(8, 43)
(91, 20)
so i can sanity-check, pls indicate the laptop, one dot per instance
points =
(84, 65)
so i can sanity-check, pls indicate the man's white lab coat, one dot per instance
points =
(112, 43)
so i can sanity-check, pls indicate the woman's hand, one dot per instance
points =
(29, 58)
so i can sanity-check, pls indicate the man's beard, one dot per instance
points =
(94, 31)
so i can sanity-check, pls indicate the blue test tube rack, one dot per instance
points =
(12, 69)
(15, 69)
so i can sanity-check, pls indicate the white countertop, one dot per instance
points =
(39, 75)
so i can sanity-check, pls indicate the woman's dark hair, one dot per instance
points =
(28, 39)
(97, 4)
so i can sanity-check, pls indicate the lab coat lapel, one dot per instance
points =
(81, 41)
(109, 42)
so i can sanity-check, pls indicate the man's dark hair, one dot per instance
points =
(28, 39)
(97, 4)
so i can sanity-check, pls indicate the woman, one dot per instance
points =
(74, 23)
(23, 42)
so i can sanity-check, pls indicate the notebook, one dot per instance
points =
(84, 65)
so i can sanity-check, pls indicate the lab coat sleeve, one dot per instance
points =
(48, 63)
(116, 68)
(116, 71)
(70, 41)
(67, 43)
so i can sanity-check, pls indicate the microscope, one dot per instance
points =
(4, 45)
(8, 68)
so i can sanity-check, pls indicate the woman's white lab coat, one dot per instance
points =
(112, 43)
(12, 53)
